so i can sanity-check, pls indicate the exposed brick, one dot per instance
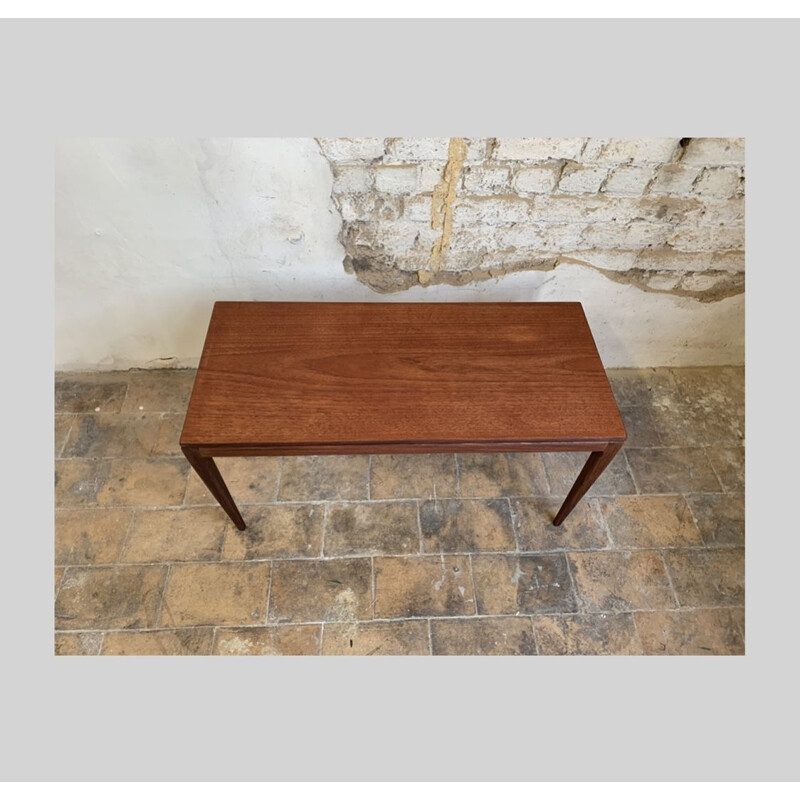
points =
(518, 204)
(537, 180)
(352, 149)
(714, 152)
(352, 178)
(629, 180)
(396, 180)
(719, 238)
(537, 149)
(492, 211)
(545, 237)
(430, 174)
(674, 179)
(626, 237)
(724, 213)
(418, 149)
(719, 183)
(477, 150)
(620, 151)
(487, 180)
(369, 207)
(417, 209)
(582, 180)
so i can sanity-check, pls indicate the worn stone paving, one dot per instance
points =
(388, 555)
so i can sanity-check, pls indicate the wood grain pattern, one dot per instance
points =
(298, 378)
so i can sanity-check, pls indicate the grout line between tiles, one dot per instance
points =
(325, 507)
(213, 640)
(474, 593)
(579, 604)
(630, 472)
(603, 613)
(430, 636)
(419, 529)
(458, 474)
(514, 523)
(269, 592)
(669, 579)
(437, 554)
(372, 585)
(716, 474)
(535, 638)
(162, 593)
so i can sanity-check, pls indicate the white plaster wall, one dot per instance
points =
(149, 233)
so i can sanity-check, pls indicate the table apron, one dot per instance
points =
(377, 448)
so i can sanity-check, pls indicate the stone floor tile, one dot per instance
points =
(79, 481)
(483, 636)
(401, 638)
(109, 597)
(423, 586)
(583, 528)
(642, 387)
(720, 386)
(169, 435)
(522, 584)
(686, 423)
(419, 476)
(215, 594)
(324, 478)
(183, 534)
(728, 463)
(663, 521)
(502, 474)
(145, 482)
(587, 635)
(290, 530)
(159, 390)
(78, 393)
(63, 425)
(707, 631)
(272, 640)
(90, 535)
(59, 574)
(321, 591)
(466, 526)
(720, 517)
(112, 436)
(672, 470)
(707, 577)
(381, 528)
(78, 644)
(170, 642)
(640, 426)
(564, 468)
(250, 480)
(621, 581)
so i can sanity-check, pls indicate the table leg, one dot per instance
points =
(205, 467)
(591, 471)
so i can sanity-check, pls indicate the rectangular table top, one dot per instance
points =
(435, 376)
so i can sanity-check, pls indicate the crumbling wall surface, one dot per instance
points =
(663, 215)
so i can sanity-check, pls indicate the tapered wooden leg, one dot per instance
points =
(205, 467)
(591, 471)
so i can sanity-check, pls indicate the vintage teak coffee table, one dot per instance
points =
(331, 378)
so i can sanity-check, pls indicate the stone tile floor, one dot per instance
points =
(436, 554)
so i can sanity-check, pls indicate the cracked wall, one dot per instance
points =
(662, 215)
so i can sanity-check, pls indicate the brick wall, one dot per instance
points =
(665, 215)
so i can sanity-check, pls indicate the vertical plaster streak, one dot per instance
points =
(444, 195)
